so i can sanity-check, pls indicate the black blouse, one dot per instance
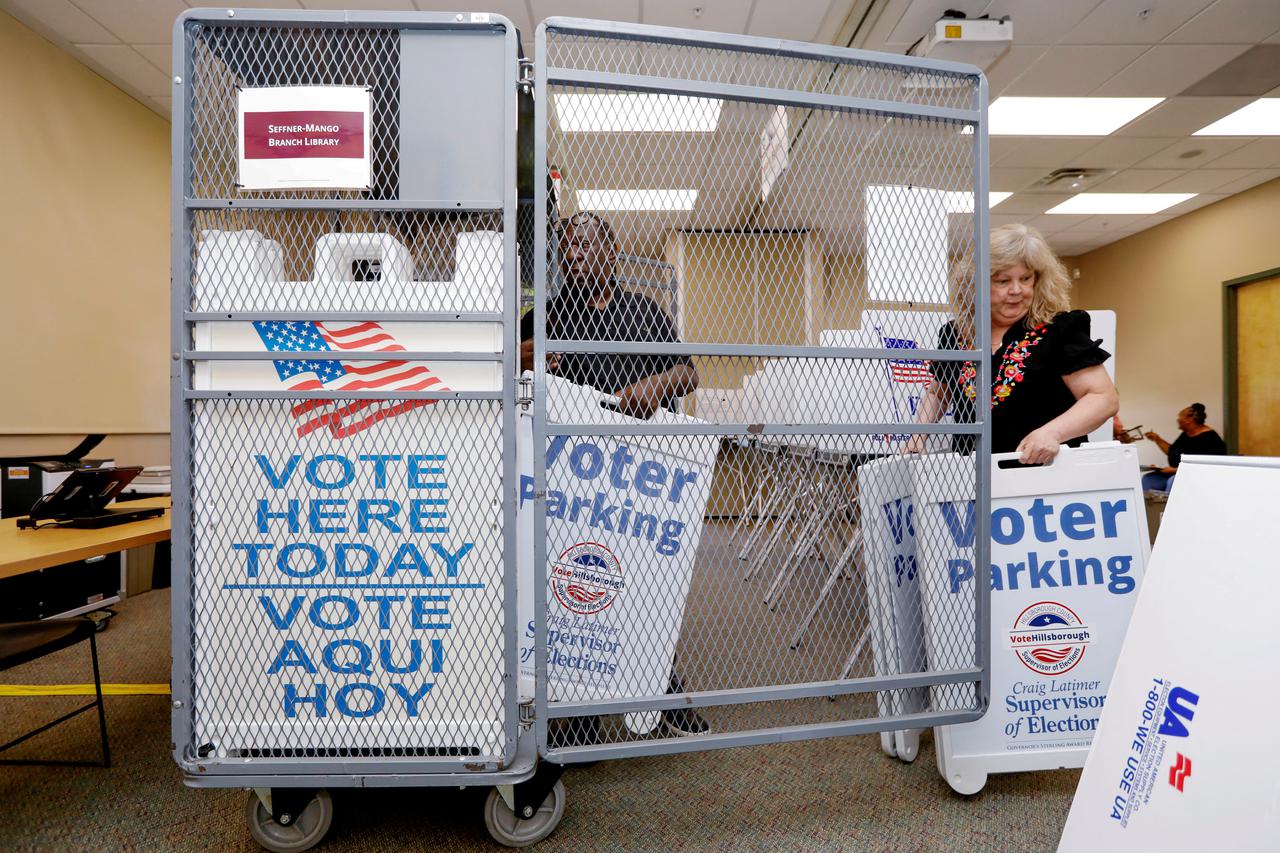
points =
(1027, 377)
(1207, 443)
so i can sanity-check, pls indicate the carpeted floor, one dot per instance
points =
(839, 794)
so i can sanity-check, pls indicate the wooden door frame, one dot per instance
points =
(1230, 290)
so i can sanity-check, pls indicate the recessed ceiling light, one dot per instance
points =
(962, 202)
(1261, 118)
(1105, 203)
(635, 112)
(1064, 116)
(636, 199)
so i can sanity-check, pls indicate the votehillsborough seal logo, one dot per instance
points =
(587, 578)
(1049, 638)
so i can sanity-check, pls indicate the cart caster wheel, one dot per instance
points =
(306, 830)
(511, 831)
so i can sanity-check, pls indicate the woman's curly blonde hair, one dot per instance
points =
(1012, 245)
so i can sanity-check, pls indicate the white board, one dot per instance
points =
(886, 497)
(624, 519)
(1184, 758)
(1069, 546)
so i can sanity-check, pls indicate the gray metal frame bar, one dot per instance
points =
(251, 203)
(762, 350)
(762, 429)
(344, 395)
(754, 94)
(342, 355)
(344, 316)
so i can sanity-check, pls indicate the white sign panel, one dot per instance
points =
(1068, 547)
(304, 137)
(893, 588)
(1184, 758)
(624, 519)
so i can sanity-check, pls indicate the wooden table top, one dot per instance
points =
(23, 551)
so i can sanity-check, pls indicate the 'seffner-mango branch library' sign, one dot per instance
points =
(304, 137)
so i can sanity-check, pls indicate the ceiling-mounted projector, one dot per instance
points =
(977, 41)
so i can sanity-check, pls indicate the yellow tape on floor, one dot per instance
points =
(83, 690)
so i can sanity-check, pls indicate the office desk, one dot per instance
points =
(23, 552)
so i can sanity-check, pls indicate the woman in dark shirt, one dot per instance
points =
(1194, 438)
(1048, 385)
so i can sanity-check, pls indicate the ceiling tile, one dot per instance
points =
(1261, 154)
(1260, 176)
(604, 10)
(159, 55)
(1011, 180)
(60, 19)
(1000, 147)
(1210, 149)
(1133, 21)
(1120, 152)
(1075, 70)
(163, 105)
(724, 16)
(1205, 180)
(794, 19)
(921, 15)
(1053, 224)
(1036, 22)
(124, 64)
(1203, 200)
(373, 5)
(1181, 116)
(1048, 152)
(1010, 67)
(146, 21)
(1235, 21)
(1137, 180)
(1167, 69)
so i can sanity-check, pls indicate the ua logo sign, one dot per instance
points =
(1179, 707)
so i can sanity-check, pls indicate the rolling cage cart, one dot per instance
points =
(399, 561)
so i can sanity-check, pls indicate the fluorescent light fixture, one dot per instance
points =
(635, 112)
(1120, 203)
(636, 199)
(1261, 118)
(1064, 116)
(995, 198)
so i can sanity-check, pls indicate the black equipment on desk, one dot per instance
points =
(81, 500)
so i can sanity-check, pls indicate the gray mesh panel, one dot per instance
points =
(750, 551)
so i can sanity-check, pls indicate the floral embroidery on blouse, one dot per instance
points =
(1009, 373)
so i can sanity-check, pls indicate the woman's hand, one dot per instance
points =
(1039, 447)
(915, 444)
(1151, 436)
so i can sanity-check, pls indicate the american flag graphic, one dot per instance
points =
(344, 417)
(910, 371)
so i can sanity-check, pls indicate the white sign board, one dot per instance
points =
(304, 137)
(893, 589)
(1184, 758)
(624, 519)
(1068, 547)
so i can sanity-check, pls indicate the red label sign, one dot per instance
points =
(287, 134)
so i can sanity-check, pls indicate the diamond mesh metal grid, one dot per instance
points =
(727, 525)
(343, 511)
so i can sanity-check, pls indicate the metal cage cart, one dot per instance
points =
(400, 561)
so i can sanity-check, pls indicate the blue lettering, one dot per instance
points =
(376, 701)
(340, 567)
(318, 618)
(251, 570)
(317, 560)
(959, 571)
(362, 664)
(347, 471)
(1016, 526)
(1078, 521)
(277, 480)
(451, 558)
(961, 533)
(291, 514)
(281, 621)
(292, 699)
(411, 700)
(291, 654)
(379, 461)
(318, 515)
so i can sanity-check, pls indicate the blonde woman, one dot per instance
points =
(1048, 385)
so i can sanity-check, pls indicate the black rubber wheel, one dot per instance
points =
(511, 831)
(305, 831)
